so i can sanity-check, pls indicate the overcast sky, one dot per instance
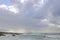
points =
(30, 15)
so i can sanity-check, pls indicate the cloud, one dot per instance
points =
(23, 1)
(39, 4)
(11, 8)
(21, 15)
(3, 6)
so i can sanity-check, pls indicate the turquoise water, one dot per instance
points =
(31, 37)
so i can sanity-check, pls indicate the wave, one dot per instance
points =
(39, 36)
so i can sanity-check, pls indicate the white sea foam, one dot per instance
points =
(31, 37)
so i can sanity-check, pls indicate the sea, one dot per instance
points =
(39, 36)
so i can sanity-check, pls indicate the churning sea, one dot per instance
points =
(31, 37)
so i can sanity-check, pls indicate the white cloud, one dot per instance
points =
(3, 6)
(47, 22)
(10, 8)
(39, 4)
(13, 9)
(51, 25)
(23, 1)
(44, 20)
(58, 25)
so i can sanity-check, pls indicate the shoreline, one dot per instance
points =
(12, 33)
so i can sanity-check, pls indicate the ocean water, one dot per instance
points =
(31, 37)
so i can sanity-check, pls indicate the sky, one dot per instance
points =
(30, 16)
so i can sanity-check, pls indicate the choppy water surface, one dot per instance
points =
(31, 37)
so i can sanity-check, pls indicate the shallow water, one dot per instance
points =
(31, 37)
